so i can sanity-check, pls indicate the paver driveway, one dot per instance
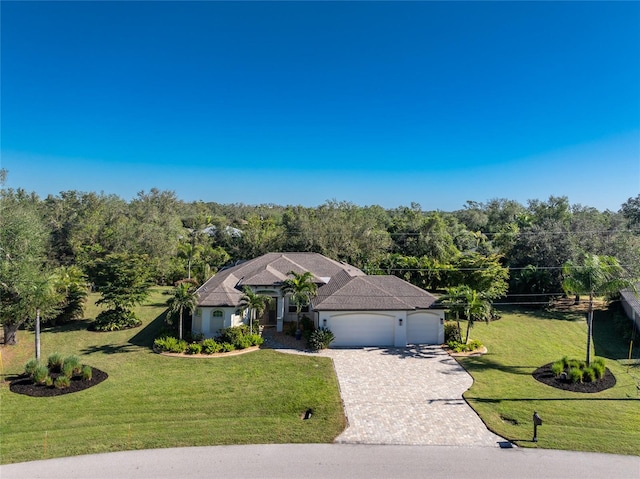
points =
(407, 396)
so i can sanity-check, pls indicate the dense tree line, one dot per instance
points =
(503, 248)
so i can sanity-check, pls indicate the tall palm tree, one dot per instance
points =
(184, 298)
(466, 301)
(300, 289)
(596, 275)
(256, 303)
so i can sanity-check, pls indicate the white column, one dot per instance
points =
(280, 313)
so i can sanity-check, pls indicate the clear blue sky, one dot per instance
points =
(300, 102)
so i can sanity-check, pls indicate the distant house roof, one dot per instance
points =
(373, 293)
(271, 269)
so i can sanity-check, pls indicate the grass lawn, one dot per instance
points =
(152, 401)
(505, 395)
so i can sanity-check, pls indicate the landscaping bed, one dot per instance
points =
(545, 375)
(25, 385)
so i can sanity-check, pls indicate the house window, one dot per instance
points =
(217, 314)
(292, 308)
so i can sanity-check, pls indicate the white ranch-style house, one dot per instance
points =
(360, 310)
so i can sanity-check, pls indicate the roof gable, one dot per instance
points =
(271, 269)
(371, 293)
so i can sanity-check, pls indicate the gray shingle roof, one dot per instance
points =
(373, 293)
(271, 269)
(631, 298)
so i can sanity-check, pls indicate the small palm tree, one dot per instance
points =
(301, 289)
(466, 301)
(184, 298)
(596, 275)
(256, 303)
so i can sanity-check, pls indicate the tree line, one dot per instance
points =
(501, 248)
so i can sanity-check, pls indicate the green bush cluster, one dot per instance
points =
(451, 332)
(194, 348)
(115, 320)
(54, 362)
(320, 339)
(578, 371)
(230, 339)
(64, 368)
(460, 347)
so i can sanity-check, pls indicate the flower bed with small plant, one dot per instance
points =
(58, 376)
(230, 339)
(575, 375)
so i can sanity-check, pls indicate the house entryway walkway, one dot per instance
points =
(410, 396)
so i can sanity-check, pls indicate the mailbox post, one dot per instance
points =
(537, 421)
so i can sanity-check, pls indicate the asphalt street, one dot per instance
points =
(332, 461)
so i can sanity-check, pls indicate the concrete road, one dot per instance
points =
(332, 461)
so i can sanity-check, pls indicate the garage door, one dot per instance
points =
(422, 328)
(361, 329)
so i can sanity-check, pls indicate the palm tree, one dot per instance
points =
(597, 275)
(478, 308)
(300, 289)
(184, 298)
(256, 303)
(466, 301)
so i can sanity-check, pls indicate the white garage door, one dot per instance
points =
(362, 329)
(422, 328)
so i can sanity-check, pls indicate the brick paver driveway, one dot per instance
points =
(406, 396)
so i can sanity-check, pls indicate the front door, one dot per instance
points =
(270, 315)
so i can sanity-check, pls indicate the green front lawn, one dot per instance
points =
(153, 401)
(505, 395)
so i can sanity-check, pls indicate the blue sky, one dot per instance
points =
(298, 102)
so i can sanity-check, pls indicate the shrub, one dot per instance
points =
(30, 367)
(460, 347)
(87, 373)
(67, 370)
(242, 343)
(575, 375)
(588, 375)
(557, 368)
(255, 339)
(306, 324)
(40, 374)
(575, 364)
(71, 366)
(227, 347)
(170, 344)
(115, 320)
(598, 367)
(320, 339)
(232, 335)
(565, 361)
(62, 382)
(194, 348)
(55, 362)
(451, 332)
(210, 346)
(48, 381)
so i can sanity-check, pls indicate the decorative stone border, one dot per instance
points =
(235, 352)
(475, 352)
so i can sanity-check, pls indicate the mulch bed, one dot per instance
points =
(544, 375)
(24, 385)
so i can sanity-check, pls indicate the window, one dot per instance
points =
(217, 314)
(292, 308)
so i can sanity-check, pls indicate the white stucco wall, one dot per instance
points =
(204, 322)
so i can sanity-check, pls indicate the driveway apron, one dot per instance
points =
(407, 396)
